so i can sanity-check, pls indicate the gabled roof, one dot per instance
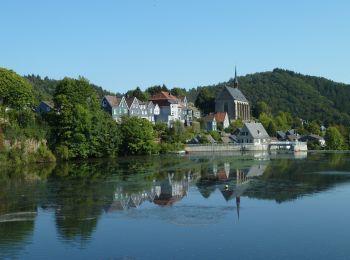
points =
(209, 118)
(150, 104)
(113, 101)
(49, 104)
(220, 116)
(281, 134)
(211, 139)
(257, 130)
(130, 100)
(236, 94)
(163, 95)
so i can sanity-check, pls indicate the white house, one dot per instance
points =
(253, 133)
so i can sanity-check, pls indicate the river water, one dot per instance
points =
(251, 206)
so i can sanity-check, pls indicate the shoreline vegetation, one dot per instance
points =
(78, 128)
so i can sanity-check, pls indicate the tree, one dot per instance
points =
(205, 101)
(314, 128)
(156, 89)
(334, 139)
(82, 129)
(139, 94)
(271, 129)
(265, 119)
(176, 133)
(178, 92)
(138, 137)
(15, 91)
(262, 107)
(234, 125)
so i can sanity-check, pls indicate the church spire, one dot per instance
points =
(235, 81)
(238, 203)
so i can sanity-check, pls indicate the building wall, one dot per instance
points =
(225, 103)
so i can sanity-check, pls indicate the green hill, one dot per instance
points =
(44, 88)
(307, 97)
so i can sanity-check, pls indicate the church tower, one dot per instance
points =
(232, 101)
(235, 81)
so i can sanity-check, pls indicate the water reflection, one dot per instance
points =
(79, 195)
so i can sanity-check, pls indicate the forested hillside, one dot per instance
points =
(44, 88)
(306, 97)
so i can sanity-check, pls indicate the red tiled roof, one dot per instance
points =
(220, 117)
(163, 95)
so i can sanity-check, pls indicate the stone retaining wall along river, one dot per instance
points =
(292, 146)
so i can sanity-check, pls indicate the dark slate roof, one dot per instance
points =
(211, 139)
(281, 134)
(236, 94)
(130, 100)
(257, 130)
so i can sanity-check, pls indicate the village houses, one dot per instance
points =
(162, 107)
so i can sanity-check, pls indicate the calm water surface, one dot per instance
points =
(255, 206)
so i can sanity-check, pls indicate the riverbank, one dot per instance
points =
(272, 146)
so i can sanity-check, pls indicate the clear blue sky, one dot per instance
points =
(123, 44)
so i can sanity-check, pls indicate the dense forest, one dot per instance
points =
(307, 97)
(44, 88)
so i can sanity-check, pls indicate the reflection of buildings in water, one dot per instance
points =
(231, 183)
(163, 192)
(171, 190)
(300, 155)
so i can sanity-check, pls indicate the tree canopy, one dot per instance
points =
(15, 92)
(82, 129)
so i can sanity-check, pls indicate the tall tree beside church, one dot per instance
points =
(205, 101)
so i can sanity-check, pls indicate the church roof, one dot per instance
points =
(236, 94)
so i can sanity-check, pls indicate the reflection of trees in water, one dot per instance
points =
(79, 193)
(286, 180)
(13, 235)
(20, 190)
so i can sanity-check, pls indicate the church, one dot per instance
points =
(232, 101)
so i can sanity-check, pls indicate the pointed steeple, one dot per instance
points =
(235, 81)
(238, 203)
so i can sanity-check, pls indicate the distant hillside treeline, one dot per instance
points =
(307, 97)
(44, 88)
